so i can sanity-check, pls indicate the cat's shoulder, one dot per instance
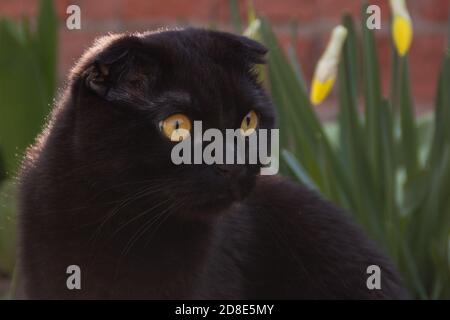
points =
(303, 214)
(281, 195)
(315, 239)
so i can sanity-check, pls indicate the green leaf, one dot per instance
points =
(7, 227)
(442, 114)
(2, 168)
(372, 99)
(407, 121)
(315, 150)
(27, 64)
(46, 45)
(235, 16)
(298, 170)
(378, 167)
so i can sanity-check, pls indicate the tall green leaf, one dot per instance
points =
(27, 81)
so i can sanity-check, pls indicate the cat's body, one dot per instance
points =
(98, 189)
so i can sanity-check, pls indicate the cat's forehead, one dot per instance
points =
(194, 51)
(174, 97)
(194, 45)
(201, 70)
(201, 63)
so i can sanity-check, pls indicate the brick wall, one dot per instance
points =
(315, 19)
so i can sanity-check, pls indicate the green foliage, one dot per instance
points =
(390, 169)
(27, 82)
(27, 86)
(381, 166)
(7, 227)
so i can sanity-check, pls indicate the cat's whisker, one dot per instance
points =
(110, 202)
(143, 213)
(162, 221)
(146, 227)
(140, 194)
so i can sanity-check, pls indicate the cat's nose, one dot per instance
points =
(223, 168)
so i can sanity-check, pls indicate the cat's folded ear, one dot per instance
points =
(231, 48)
(102, 75)
(252, 50)
(111, 71)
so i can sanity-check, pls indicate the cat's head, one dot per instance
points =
(131, 92)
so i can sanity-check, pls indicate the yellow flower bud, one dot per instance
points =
(253, 29)
(320, 90)
(326, 69)
(402, 31)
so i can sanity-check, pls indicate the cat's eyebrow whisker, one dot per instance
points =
(173, 97)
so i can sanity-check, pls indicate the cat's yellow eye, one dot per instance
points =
(176, 127)
(249, 123)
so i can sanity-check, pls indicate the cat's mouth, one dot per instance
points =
(208, 192)
(225, 198)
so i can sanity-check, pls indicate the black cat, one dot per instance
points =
(99, 190)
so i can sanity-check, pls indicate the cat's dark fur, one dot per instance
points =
(98, 189)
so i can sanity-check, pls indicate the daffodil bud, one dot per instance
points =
(402, 31)
(253, 29)
(326, 69)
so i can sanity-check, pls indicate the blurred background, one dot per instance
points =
(374, 146)
(315, 19)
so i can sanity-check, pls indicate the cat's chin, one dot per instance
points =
(211, 202)
(214, 206)
(200, 205)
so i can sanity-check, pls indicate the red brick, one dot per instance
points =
(98, 9)
(168, 9)
(30, 8)
(334, 9)
(61, 8)
(72, 45)
(223, 13)
(308, 51)
(18, 8)
(384, 8)
(315, 17)
(433, 10)
(283, 11)
(426, 56)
